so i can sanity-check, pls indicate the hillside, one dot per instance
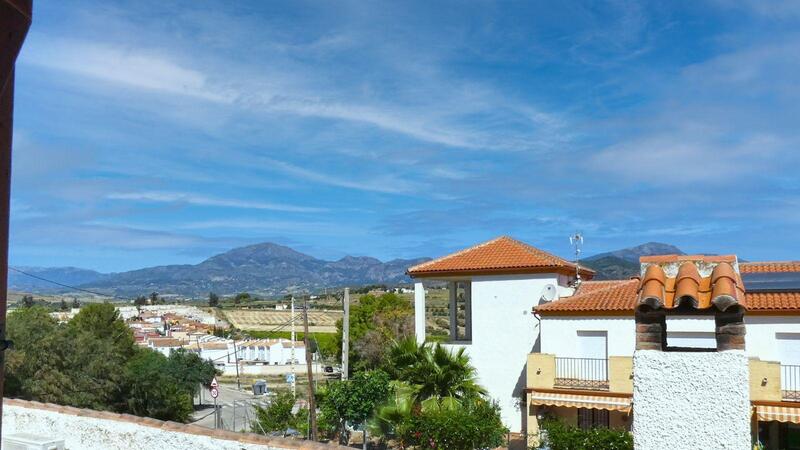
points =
(268, 269)
(624, 263)
(72, 276)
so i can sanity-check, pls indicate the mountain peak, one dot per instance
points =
(632, 254)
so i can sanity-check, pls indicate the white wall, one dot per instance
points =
(560, 334)
(691, 400)
(503, 334)
(93, 430)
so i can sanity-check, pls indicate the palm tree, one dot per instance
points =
(434, 372)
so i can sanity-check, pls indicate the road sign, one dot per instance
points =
(290, 378)
(214, 392)
(214, 383)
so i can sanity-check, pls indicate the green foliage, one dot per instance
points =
(436, 402)
(370, 287)
(140, 300)
(475, 424)
(374, 323)
(433, 371)
(76, 303)
(155, 299)
(93, 362)
(152, 389)
(560, 436)
(241, 297)
(213, 300)
(27, 301)
(278, 416)
(355, 400)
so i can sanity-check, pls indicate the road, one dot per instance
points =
(228, 395)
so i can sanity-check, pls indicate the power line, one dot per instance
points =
(67, 285)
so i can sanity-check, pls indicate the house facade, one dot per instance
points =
(492, 288)
(584, 371)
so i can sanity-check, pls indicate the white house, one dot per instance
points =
(492, 287)
(583, 372)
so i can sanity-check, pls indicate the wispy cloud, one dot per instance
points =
(201, 200)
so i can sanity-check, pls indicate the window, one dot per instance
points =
(460, 308)
(592, 418)
(692, 339)
(592, 344)
(691, 333)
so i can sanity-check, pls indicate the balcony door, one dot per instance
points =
(593, 350)
(789, 354)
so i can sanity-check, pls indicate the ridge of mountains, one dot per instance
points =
(271, 269)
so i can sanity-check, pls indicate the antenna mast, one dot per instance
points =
(576, 240)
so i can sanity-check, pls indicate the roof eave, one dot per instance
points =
(563, 270)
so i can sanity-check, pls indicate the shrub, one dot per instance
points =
(560, 436)
(476, 424)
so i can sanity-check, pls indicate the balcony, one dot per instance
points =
(581, 373)
(546, 371)
(790, 383)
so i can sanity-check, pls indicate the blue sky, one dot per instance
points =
(156, 132)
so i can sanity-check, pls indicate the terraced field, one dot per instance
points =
(319, 321)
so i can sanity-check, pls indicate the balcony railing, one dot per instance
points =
(790, 383)
(582, 373)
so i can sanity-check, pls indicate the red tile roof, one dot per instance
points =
(500, 255)
(620, 297)
(722, 289)
(615, 297)
(769, 266)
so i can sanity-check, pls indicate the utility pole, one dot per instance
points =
(294, 377)
(346, 335)
(312, 407)
(236, 358)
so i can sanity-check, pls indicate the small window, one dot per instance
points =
(592, 418)
(460, 311)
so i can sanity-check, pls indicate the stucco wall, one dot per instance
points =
(503, 334)
(690, 400)
(559, 334)
(95, 430)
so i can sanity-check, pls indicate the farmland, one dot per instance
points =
(319, 321)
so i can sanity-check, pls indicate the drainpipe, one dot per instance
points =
(15, 19)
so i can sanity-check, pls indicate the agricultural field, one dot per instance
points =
(319, 321)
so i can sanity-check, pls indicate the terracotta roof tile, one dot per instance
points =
(500, 255)
(617, 296)
(769, 266)
(773, 301)
(722, 289)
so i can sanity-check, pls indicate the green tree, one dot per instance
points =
(241, 297)
(75, 303)
(153, 391)
(140, 300)
(560, 436)
(433, 371)
(278, 415)
(28, 328)
(474, 424)
(64, 306)
(28, 301)
(213, 300)
(374, 323)
(103, 322)
(154, 299)
(354, 400)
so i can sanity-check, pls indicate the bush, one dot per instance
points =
(476, 424)
(560, 436)
(278, 417)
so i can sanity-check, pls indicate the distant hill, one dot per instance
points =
(72, 276)
(273, 269)
(624, 263)
(266, 269)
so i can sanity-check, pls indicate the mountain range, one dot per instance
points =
(272, 269)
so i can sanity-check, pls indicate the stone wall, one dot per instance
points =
(691, 400)
(97, 430)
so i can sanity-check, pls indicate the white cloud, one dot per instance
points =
(195, 199)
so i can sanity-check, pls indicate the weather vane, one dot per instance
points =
(576, 240)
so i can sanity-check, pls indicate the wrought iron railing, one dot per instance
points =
(790, 383)
(582, 373)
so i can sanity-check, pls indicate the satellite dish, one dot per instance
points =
(549, 293)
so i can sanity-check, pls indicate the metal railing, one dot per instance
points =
(790, 383)
(582, 373)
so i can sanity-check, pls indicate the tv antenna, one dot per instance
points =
(576, 241)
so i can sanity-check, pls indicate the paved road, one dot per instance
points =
(227, 396)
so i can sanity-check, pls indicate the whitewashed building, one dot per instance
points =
(584, 371)
(492, 287)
